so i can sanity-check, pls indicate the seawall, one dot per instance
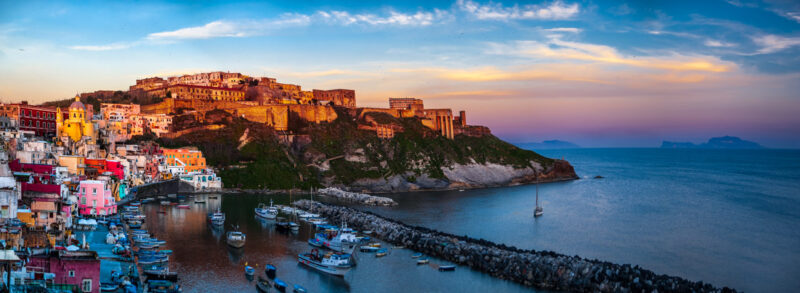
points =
(539, 269)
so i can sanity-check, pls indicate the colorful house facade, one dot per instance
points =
(95, 198)
(191, 160)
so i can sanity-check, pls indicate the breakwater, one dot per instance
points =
(359, 198)
(540, 269)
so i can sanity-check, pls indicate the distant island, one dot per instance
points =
(549, 144)
(725, 142)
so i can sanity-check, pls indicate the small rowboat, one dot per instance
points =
(416, 255)
(248, 270)
(262, 285)
(374, 244)
(299, 289)
(279, 285)
(270, 271)
(422, 261)
(447, 268)
(381, 252)
(368, 249)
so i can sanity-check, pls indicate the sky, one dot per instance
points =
(596, 73)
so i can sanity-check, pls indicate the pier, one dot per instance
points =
(540, 269)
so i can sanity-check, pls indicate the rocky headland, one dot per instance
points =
(344, 155)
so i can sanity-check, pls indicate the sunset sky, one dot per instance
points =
(596, 73)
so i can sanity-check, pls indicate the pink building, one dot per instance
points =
(79, 268)
(95, 198)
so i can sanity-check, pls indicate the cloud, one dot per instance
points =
(773, 43)
(556, 48)
(554, 11)
(715, 43)
(563, 30)
(420, 18)
(232, 29)
(109, 47)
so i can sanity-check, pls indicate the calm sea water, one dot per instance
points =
(731, 218)
(728, 217)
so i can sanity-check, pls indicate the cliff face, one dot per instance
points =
(339, 154)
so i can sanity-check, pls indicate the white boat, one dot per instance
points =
(337, 264)
(342, 240)
(317, 221)
(236, 239)
(270, 212)
(307, 215)
(217, 218)
(538, 211)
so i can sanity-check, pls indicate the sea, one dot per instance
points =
(726, 217)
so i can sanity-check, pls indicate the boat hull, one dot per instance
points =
(329, 269)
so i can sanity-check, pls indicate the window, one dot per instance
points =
(72, 273)
(94, 191)
(83, 200)
(86, 285)
(94, 203)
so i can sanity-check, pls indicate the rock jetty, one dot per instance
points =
(359, 198)
(540, 269)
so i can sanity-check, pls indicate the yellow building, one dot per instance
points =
(77, 123)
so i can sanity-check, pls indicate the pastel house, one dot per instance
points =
(95, 198)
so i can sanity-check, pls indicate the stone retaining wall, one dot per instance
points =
(540, 269)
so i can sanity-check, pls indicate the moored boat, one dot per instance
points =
(299, 289)
(342, 240)
(161, 274)
(416, 255)
(333, 263)
(279, 285)
(248, 270)
(183, 206)
(270, 271)
(366, 248)
(381, 252)
(447, 268)
(217, 218)
(314, 242)
(262, 285)
(236, 239)
(423, 261)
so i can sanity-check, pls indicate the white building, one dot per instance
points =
(203, 180)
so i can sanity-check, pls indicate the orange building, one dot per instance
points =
(191, 159)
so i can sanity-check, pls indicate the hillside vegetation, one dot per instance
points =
(251, 156)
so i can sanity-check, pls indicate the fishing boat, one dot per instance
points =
(262, 285)
(279, 285)
(161, 274)
(294, 226)
(333, 263)
(183, 206)
(199, 201)
(374, 244)
(538, 211)
(416, 255)
(381, 252)
(367, 232)
(236, 239)
(314, 242)
(367, 248)
(153, 260)
(165, 203)
(318, 222)
(299, 289)
(262, 210)
(447, 268)
(423, 261)
(248, 270)
(135, 204)
(270, 271)
(217, 218)
(342, 240)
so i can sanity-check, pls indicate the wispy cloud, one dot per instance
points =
(420, 18)
(232, 29)
(715, 43)
(556, 48)
(774, 43)
(563, 30)
(554, 11)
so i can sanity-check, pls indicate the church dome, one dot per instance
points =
(77, 104)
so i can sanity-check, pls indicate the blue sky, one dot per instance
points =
(598, 73)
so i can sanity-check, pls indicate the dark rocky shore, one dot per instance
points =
(539, 269)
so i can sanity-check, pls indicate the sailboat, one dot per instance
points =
(538, 211)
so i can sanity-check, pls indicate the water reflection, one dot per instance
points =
(207, 264)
